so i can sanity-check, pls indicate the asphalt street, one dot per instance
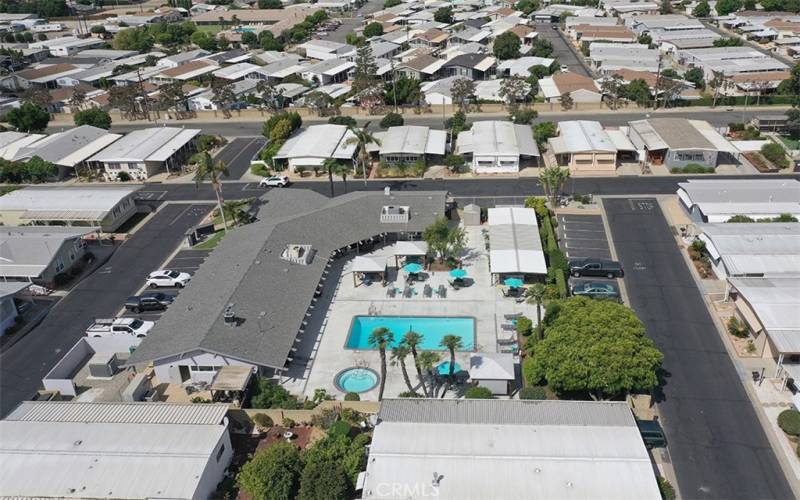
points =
(583, 236)
(237, 155)
(717, 444)
(101, 294)
(561, 49)
(237, 128)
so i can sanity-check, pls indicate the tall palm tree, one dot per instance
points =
(552, 180)
(412, 339)
(343, 170)
(212, 170)
(451, 343)
(330, 166)
(380, 338)
(427, 360)
(399, 355)
(536, 296)
(362, 138)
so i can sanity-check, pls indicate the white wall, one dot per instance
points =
(215, 469)
(163, 368)
(500, 164)
(498, 387)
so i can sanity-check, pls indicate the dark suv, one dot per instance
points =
(154, 301)
(652, 434)
(595, 267)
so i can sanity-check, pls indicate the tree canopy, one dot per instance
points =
(506, 46)
(725, 7)
(28, 118)
(95, 117)
(373, 29)
(444, 15)
(702, 9)
(593, 346)
(273, 473)
(137, 39)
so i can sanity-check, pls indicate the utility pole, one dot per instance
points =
(658, 81)
(394, 84)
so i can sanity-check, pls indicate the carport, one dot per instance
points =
(230, 384)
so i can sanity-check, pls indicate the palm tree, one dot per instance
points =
(362, 138)
(412, 339)
(427, 360)
(209, 169)
(343, 170)
(235, 209)
(330, 166)
(552, 180)
(536, 296)
(380, 338)
(399, 355)
(451, 343)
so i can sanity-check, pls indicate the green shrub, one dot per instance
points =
(409, 394)
(539, 205)
(352, 396)
(774, 153)
(666, 489)
(347, 121)
(259, 169)
(123, 176)
(693, 168)
(392, 120)
(340, 429)
(268, 394)
(454, 162)
(262, 420)
(736, 127)
(273, 472)
(737, 328)
(561, 284)
(288, 423)
(524, 326)
(533, 392)
(478, 393)
(789, 422)
(740, 218)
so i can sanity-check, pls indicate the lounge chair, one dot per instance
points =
(427, 291)
(506, 341)
(408, 292)
(512, 316)
(442, 292)
(391, 292)
(508, 327)
(513, 349)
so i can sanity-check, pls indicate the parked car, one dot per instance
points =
(134, 327)
(274, 181)
(652, 434)
(166, 277)
(596, 290)
(151, 301)
(564, 68)
(595, 267)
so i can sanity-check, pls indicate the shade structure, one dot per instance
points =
(412, 268)
(458, 273)
(513, 282)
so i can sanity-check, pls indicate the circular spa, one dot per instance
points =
(356, 379)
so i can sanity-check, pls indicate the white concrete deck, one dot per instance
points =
(480, 300)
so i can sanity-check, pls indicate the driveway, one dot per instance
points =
(561, 49)
(100, 295)
(716, 442)
(237, 155)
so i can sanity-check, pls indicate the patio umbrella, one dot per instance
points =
(412, 268)
(513, 282)
(458, 273)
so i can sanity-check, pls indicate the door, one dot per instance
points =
(184, 373)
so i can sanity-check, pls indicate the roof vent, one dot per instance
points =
(298, 254)
(229, 316)
(392, 213)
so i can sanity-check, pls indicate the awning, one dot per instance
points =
(231, 378)
(414, 248)
(749, 315)
(82, 215)
(363, 264)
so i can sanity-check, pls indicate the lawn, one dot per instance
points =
(211, 242)
(789, 142)
(210, 28)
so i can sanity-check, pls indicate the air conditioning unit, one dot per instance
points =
(103, 365)
(298, 254)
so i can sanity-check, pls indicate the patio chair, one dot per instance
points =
(391, 292)
(508, 327)
(513, 349)
(442, 292)
(427, 291)
(512, 316)
(408, 292)
(506, 341)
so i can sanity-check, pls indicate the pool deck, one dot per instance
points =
(481, 300)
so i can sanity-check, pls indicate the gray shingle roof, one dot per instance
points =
(270, 295)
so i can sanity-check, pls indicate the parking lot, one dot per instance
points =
(185, 261)
(583, 236)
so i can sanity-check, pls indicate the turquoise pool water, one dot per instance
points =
(444, 368)
(432, 329)
(356, 380)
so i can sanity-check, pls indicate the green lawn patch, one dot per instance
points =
(211, 242)
(789, 142)
(212, 29)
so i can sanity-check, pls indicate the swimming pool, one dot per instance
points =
(356, 379)
(432, 329)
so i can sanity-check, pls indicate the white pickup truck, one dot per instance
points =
(120, 326)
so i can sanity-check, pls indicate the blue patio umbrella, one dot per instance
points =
(458, 273)
(444, 368)
(412, 268)
(513, 282)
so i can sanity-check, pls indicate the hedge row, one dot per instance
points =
(558, 264)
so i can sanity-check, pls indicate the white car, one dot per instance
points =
(132, 327)
(564, 69)
(274, 181)
(166, 277)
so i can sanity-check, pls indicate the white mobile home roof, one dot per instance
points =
(319, 141)
(481, 449)
(88, 454)
(89, 201)
(237, 71)
(26, 251)
(719, 200)
(413, 139)
(496, 138)
(583, 135)
(755, 249)
(70, 147)
(150, 144)
(514, 242)
(775, 301)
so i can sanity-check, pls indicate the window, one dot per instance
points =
(221, 451)
(687, 156)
